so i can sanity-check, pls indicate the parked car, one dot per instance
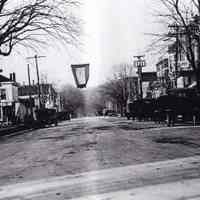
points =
(111, 113)
(63, 115)
(46, 116)
(142, 109)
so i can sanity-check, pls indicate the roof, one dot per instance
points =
(27, 90)
(4, 79)
(33, 89)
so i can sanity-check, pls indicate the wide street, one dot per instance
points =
(98, 155)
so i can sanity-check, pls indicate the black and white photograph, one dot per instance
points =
(99, 99)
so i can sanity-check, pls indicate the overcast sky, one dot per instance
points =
(114, 33)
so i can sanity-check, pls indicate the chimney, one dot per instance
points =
(14, 76)
(33, 82)
(11, 76)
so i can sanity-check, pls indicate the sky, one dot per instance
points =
(114, 32)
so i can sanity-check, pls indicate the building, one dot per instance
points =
(180, 71)
(48, 96)
(162, 69)
(8, 98)
(132, 87)
(174, 70)
(164, 79)
(148, 78)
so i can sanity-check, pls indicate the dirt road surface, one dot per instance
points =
(92, 144)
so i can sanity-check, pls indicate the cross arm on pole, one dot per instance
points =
(139, 57)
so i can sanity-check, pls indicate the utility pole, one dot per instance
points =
(176, 55)
(38, 77)
(140, 63)
(176, 28)
(30, 98)
(198, 62)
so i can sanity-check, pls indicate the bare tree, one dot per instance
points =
(73, 100)
(184, 18)
(95, 101)
(117, 88)
(34, 23)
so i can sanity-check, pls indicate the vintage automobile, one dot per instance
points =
(45, 117)
(167, 108)
(174, 108)
(110, 113)
(142, 109)
(63, 115)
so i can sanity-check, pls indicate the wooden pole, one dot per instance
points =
(29, 83)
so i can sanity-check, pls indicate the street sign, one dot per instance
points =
(139, 63)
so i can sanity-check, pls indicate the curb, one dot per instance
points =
(10, 130)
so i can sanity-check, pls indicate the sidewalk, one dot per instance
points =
(168, 180)
(11, 129)
(181, 190)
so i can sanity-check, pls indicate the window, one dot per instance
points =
(3, 94)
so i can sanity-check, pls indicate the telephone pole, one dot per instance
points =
(36, 57)
(140, 63)
(30, 98)
(175, 33)
(198, 62)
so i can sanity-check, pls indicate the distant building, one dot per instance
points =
(8, 97)
(181, 74)
(132, 87)
(147, 79)
(174, 70)
(164, 79)
(162, 68)
(48, 95)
